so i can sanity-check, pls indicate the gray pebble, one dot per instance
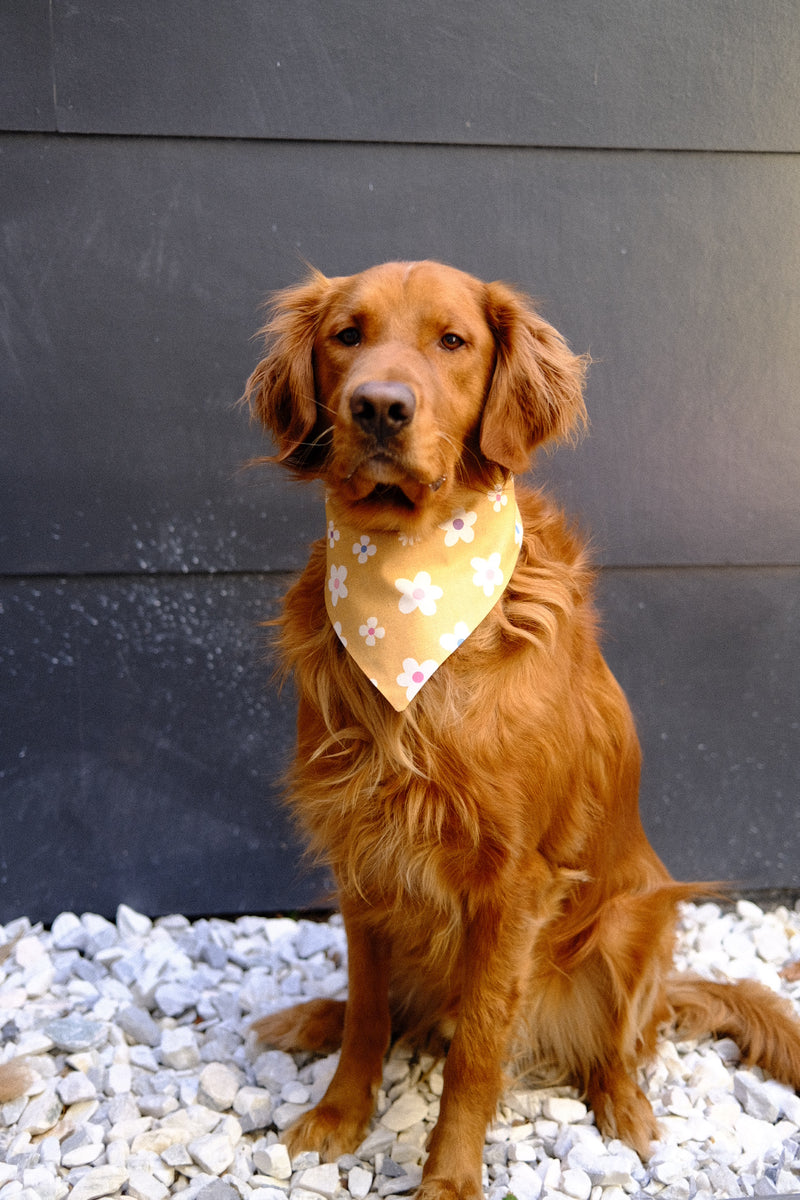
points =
(273, 1069)
(756, 1096)
(218, 1086)
(81, 1149)
(100, 1181)
(141, 1030)
(226, 1005)
(132, 924)
(359, 1182)
(175, 998)
(179, 1048)
(391, 1169)
(75, 1086)
(312, 937)
(40, 1113)
(218, 1190)
(216, 956)
(253, 1106)
(378, 1141)
(137, 1024)
(176, 1155)
(157, 1104)
(221, 1045)
(143, 1057)
(306, 1158)
(286, 1114)
(76, 1033)
(213, 1152)
(402, 1184)
(144, 1186)
(101, 933)
(68, 933)
(348, 1161)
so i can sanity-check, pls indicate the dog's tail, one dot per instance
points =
(763, 1024)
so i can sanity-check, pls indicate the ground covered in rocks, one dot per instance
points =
(146, 1082)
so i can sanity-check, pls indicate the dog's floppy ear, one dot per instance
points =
(536, 393)
(281, 391)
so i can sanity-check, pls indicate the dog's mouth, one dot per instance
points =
(383, 480)
(389, 495)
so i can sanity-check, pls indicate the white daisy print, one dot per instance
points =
(459, 527)
(337, 629)
(497, 498)
(487, 573)
(451, 641)
(336, 584)
(414, 674)
(364, 549)
(419, 593)
(371, 631)
(333, 534)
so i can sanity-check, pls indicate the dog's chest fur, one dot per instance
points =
(418, 805)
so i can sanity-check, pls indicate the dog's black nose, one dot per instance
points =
(382, 407)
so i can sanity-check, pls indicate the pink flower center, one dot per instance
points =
(418, 593)
(418, 677)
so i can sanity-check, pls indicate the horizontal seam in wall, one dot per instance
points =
(563, 148)
(605, 568)
(249, 573)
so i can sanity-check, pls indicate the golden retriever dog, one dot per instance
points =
(497, 888)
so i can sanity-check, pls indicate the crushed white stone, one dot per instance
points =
(147, 1082)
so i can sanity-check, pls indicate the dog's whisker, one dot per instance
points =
(319, 440)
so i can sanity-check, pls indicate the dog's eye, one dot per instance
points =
(451, 341)
(350, 336)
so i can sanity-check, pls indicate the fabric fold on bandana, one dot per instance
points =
(400, 607)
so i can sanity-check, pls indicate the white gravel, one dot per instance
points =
(146, 1082)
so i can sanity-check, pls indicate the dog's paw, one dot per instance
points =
(327, 1130)
(622, 1111)
(316, 1025)
(436, 1188)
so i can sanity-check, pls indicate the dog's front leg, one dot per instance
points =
(338, 1123)
(496, 959)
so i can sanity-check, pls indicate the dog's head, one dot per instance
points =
(401, 383)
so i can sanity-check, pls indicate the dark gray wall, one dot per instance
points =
(167, 163)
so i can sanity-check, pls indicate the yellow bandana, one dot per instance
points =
(400, 607)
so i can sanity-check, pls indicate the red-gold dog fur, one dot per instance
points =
(496, 884)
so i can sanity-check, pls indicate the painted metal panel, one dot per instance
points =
(709, 661)
(624, 73)
(144, 737)
(144, 743)
(27, 84)
(134, 273)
